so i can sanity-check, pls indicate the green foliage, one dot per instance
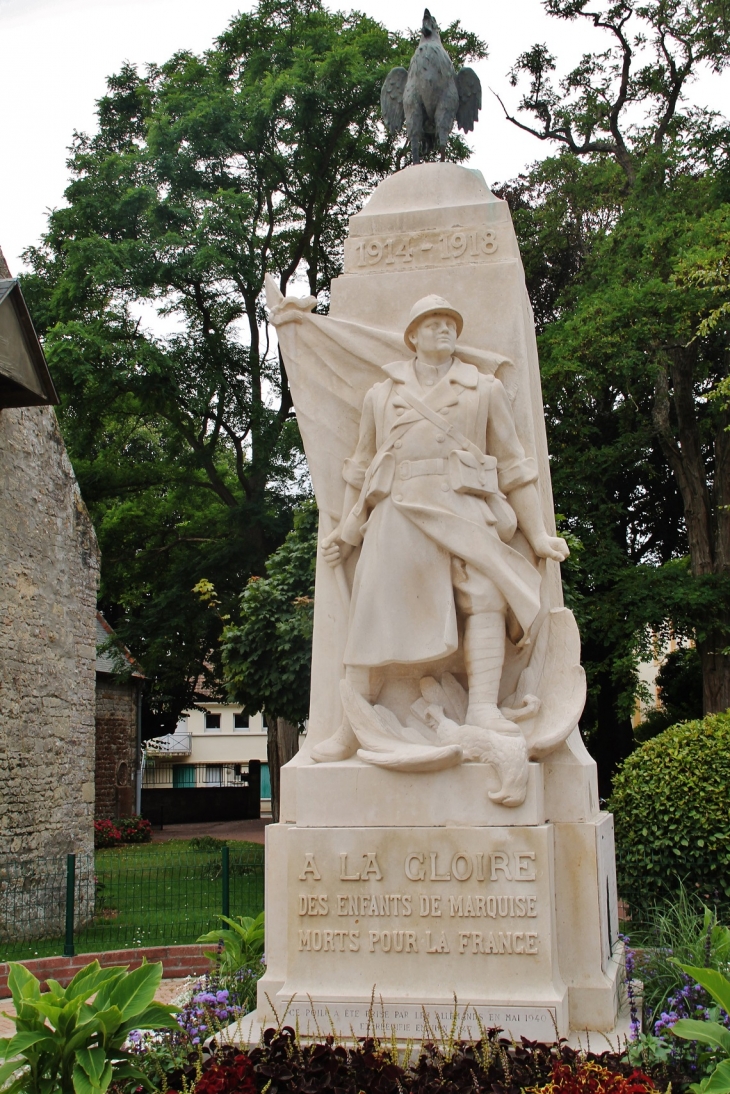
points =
(671, 803)
(267, 655)
(650, 53)
(206, 843)
(679, 681)
(623, 237)
(205, 173)
(707, 267)
(243, 943)
(714, 1034)
(682, 930)
(239, 957)
(628, 468)
(66, 1042)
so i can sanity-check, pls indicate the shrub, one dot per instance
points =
(206, 843)
(112, 833)
(135, 830)
(106, 834)
(671, 802)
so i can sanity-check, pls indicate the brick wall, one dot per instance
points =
(49, 568)
(177, 962)
(116, 746)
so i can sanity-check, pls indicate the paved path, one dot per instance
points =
(251, 830)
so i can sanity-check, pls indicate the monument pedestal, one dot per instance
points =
(389, 925)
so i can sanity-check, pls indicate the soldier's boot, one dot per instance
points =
(343, 743)
(340, 746)
(484, 637)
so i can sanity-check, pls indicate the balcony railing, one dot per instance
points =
(172, 744)
(183, 776)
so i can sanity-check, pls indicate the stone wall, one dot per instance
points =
(116, 746)
(49, 570)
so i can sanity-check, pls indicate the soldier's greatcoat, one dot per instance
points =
(413, 524)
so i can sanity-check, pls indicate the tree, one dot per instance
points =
(267, 652)
(628, 355)
(205, 173)
(679, 682)
(648, 66)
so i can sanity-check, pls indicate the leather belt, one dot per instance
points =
(410, 469)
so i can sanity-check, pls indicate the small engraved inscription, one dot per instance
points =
(412, 1020)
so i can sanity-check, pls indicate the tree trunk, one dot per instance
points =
(288, 741)
(715, 673)
(282, 744)
(706, 513)
(272, 755)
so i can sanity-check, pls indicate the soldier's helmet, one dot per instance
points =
(430, 305)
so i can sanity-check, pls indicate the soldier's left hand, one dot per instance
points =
(551, 547)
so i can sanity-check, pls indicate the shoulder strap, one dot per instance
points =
(441, 423)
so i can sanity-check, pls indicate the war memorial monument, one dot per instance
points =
(441, 842)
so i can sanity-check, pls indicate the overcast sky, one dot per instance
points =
(56, 54)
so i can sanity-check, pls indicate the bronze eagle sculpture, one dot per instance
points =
(431, 95)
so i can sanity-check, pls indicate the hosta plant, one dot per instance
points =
(65, 1042)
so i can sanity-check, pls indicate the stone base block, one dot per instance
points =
(247, 1032)
(378, 923)
(357, 794)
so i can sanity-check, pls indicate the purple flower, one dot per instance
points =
(222, 996)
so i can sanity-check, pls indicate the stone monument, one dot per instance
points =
(440, 838)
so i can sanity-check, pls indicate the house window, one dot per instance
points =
(212, 723)
(213, 775)
(240, 721)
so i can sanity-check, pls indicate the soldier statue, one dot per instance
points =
(435, 490)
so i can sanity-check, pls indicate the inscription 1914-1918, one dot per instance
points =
(422, 249)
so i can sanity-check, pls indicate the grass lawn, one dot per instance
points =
(154, 894)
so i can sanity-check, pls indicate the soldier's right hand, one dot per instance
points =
(334, 550)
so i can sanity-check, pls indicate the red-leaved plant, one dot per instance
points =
(135, 830)
(234, 1075)
(589, 1077)
(109, 833)
(106, 834)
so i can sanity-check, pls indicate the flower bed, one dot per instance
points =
(113, 833)
(281, 1064)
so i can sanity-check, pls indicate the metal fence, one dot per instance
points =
(181, 775)
(124, 899)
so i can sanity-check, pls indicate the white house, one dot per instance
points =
(211, 742)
